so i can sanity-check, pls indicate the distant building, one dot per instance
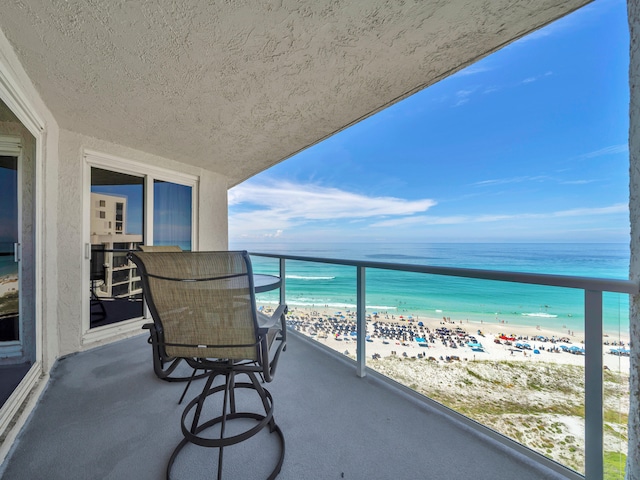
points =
(109, 232)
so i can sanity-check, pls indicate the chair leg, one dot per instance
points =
(228, 392)
(263, 396)
(201, 398)
(195, 434)
(184, 392)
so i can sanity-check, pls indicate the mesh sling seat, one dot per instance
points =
(163, 364)
(203, 303)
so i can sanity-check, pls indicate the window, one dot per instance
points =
(128, 192)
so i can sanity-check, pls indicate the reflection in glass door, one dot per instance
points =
(9, 271)
(117, 221)
(172, 214)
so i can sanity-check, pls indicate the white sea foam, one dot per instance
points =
(303, 277)
(381, 307)
(540, 314)
(302, 302)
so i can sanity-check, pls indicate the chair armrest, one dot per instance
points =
(267, 323)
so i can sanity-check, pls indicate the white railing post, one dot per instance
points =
(361, 326)
(593, 386)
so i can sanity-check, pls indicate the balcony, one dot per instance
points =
(105, 415)
(341, 419)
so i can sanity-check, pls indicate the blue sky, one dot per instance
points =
(527, 145)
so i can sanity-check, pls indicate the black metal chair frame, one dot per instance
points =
(271, 330)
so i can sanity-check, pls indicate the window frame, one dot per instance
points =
(149, 173)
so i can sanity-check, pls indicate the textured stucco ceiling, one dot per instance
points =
(237, 86)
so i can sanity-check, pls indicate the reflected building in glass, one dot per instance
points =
(112, 274)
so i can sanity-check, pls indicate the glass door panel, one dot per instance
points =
(9, 282)
(172, 214)
(117, 222)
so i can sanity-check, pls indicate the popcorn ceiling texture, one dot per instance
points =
(235, 87)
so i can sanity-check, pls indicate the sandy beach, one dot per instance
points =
(8, 284)
(448, 339)
(519, 380)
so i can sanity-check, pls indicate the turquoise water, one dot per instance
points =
(7, 265)
(400, 293)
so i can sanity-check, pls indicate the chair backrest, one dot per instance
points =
(203, 303)
(159, 248)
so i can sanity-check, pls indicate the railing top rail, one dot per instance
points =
(567, 281)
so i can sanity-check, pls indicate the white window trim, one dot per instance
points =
(149, 173)
(17, 101)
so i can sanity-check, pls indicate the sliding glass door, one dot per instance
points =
(9, 241)
(131, 206)
(117, 220)
(17, 257)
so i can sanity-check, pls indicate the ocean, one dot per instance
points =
(7, 265)
(400, 293)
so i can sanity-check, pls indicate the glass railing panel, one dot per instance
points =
(508, 355)
(318, 296)
(498, 353)
(616, 384)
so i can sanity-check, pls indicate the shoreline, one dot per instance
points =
(549, 345)
(8, 284)
(572, 326)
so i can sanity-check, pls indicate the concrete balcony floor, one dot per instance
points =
(104, 415)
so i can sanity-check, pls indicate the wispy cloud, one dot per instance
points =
(314, 202)
(576, 182)
(503, 181)
(535, 78)
(463, 96)
(611, 150)
(485, 218)
(473, 70)
(491, 89)
(270, 209)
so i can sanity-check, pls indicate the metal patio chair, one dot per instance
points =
(204, 309)
(163, 365)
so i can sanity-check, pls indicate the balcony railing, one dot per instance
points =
(593, 289)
